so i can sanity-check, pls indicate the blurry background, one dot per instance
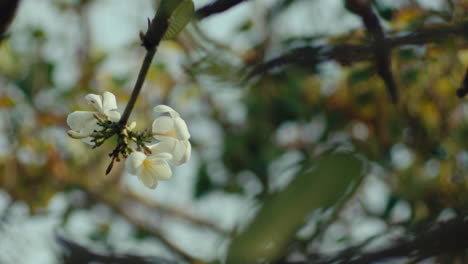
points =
(249, 139)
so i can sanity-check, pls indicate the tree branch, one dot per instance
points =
(463, 90)
(150, 40)
(141, 225)
(78, 254)
(380, 46)
(446, 237)
(349, 53)
(176, 213)
(216, 7)
(7, 12)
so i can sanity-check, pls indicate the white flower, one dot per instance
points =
(83, 123)
(180, 149)
(149, 169)
(172, 132)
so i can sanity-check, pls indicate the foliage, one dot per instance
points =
(288, 122)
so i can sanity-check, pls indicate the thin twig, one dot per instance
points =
(151, 39)
(143, 226)
(216, 7)
(463, 90)
(76, 253)
(351, 53)
(446, 237)
(138, 85)
(176, 213)
(380, 44)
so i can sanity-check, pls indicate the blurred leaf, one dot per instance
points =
(100, 233)
(246, 26)
(179, 18)
(392, 201)
(204, 184)
(384, 12)
(361, 74)
(320, 185)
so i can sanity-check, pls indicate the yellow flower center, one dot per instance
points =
(146, 163)
(171, 133)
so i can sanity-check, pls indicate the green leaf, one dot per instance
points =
(361, 74)
(319, 186)
(181, 16)
(203, 184)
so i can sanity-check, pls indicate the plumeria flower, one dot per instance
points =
(149, 169)
(173, 135)
(84, 123)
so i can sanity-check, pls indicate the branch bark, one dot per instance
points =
(380, 46)
(216, 7)
(7, 12)
(150, 40)
(176, 213)
(78, 254)
(350, 53)
(142, 226)
(446, 237)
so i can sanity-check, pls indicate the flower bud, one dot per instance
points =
(77, 135)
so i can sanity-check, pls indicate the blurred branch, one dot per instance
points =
(463, 90)
(216, 7)
(380, 46)
(351, 53)
(142, 226)
(446, 237)
(176, 213)
(150, 40)
(77, 254)
(7, 13)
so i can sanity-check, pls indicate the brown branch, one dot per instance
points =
(463, 90)
(380, 45)
(446, 237)
(176, 213)
(142, 226)
(78, 254)
(150, 40)
(216, 7)
(7, 13)
(351, 53)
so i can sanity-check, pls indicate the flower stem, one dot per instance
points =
(150, 40)
(138, 85)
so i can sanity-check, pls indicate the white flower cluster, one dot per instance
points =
(169, 129)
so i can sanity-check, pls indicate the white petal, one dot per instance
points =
(163, 125)
(76, 119)
(164, 170)
(179, 149)
(161, 109)
(83, 122)
(131, 126)
(134, 162)
(148, 179)
(181, 129)
(182, 152)
(162, 155)
(113, 115)
(188, 152)
(95, 100)
(154, 170)
(77, 135)
(158, 169)
(108, 101)
(166, 145)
